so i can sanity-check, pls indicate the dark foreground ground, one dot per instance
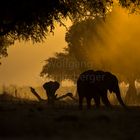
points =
(66, 122)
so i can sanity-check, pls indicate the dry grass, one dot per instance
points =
(25, 120)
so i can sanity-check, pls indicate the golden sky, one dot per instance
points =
(25, 59)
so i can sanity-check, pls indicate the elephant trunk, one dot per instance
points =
(119, 98)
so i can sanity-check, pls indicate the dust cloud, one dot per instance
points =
(120, 50)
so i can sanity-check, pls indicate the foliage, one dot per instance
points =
(62, 66)
(85, 39)
(29, 19)
(33, 19)
(81, 39)
(26, 19)
(5, 42)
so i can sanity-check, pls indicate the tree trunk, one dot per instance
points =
(131, 95)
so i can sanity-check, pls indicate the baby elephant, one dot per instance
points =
(94, 84)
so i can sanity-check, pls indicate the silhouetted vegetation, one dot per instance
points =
(39, 121)
(87, 40)
(36, 121)
(81, 38)
(5, 42)
(29, 19)
(34, 20)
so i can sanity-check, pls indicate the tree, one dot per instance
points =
(81, 38)
(91, 41)
(33, 20)
(89, 38)
(4, 44)
(61, 67)
(26, 19)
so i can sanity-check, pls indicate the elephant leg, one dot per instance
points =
(97, 101)
(81, 102)
(105, 100)
(88, 102)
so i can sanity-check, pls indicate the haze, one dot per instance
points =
(122, 51)
(25, 59)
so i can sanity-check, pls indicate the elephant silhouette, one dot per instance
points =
(50, 88)
(95, 84)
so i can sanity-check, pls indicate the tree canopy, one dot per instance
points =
(4, 43)
(100, 45)
(29, 19)
(93, 43)
(81, 39)
(32, 20)
(63, 66)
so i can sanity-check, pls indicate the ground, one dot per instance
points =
(22, 120)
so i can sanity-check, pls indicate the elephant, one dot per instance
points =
(95, 84)
(51, 88)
